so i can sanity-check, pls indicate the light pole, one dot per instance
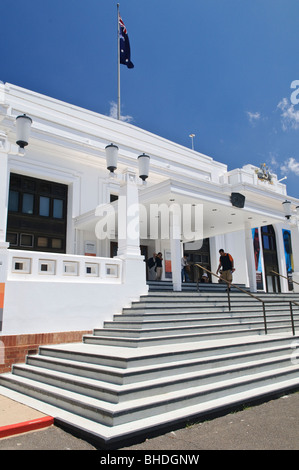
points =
(192, 137)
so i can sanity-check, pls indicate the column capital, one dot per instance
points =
(8, 148)
(129, 176)
(4, 144)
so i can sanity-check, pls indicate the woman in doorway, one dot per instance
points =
(159, 268)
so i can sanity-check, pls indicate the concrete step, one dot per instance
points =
(174, 328)
(143, 322)
(157, 369)
(125, 358)
(207, 303)
(110, 436)
(111, 414)
(115, 393)
(155, 340)
(186, 314)
(191, 286)
(223, 294)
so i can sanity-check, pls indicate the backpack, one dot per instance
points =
(151, 263)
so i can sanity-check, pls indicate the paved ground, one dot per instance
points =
(273, 425)
(12, 412)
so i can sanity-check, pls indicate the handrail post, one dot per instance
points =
(228, 298)
(265, 318)
(292, 318)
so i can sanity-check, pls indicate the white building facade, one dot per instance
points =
(74, 239)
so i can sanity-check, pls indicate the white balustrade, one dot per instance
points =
(32, 265)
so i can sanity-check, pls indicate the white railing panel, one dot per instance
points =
(40, 266)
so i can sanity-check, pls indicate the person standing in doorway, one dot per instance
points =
(185, 267)
(151, 263)
(226, 263)
(159, 267)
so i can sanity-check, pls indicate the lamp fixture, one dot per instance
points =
(23, 125)
(287, 209)
(143, 163)
(111, 157)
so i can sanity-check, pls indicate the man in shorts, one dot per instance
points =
(226, 263)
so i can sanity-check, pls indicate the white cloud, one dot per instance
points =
(113, 113)
(289, 116)
(290, 165)
(253, 117)
(273, 160)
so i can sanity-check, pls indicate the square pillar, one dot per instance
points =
(128, 216)
(134, 267)
(295, 251)
(4, 191)
(284, 285)
(175, 247)
(250, 259)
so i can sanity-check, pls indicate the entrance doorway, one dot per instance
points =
(270, 259)
(202, 257)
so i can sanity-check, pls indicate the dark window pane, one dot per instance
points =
(13, 204)
(44, 206)
(12, 238)
(26, 240)
(56, 243)
(42, 242)
(27, 206)
(57, 209)
(266, 242)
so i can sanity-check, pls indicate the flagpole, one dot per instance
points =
(118, 66)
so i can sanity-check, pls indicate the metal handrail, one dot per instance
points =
(291, 302)
(277, 274)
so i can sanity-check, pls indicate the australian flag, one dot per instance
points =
(124, 43)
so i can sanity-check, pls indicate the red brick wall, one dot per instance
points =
(16, 347)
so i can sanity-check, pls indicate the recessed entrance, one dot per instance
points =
(200, 255)
(270, 259)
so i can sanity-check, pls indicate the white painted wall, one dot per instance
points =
(39, 302)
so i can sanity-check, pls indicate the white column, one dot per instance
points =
(295, 250)
(128, 216)
(134, 267)
(250, 259)
(175, 248)
(284, 285)
(4, 190)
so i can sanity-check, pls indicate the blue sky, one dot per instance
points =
(220, 69)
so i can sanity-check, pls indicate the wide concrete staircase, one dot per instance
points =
(170, 358)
